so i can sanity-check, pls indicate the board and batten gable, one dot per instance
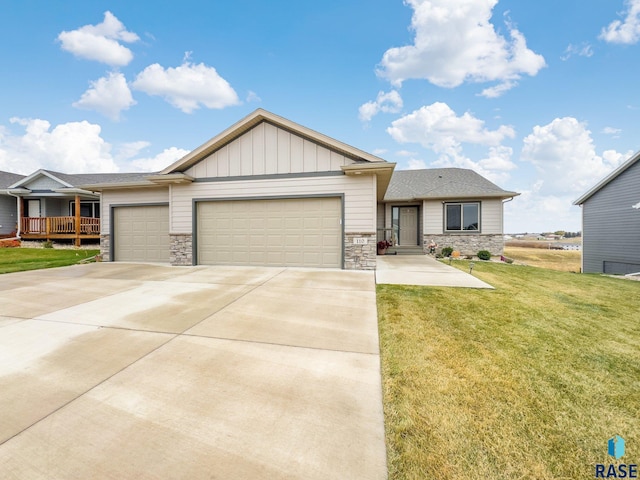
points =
(268, 150)
(611, 227)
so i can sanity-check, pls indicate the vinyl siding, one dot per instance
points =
(43, 183)
(491, 218)
(432, 212)
(610, 227)
(8, 214)
(268, 150)
(359, 197)
(129, 197)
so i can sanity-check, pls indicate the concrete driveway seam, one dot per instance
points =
(60, 407)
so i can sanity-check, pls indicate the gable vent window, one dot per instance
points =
(462, 217)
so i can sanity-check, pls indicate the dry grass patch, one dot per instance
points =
(563, 260)
(527, 381)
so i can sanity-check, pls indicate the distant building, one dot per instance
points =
(611, 222)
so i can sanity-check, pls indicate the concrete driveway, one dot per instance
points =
(121, 371)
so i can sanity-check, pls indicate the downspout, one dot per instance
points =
(503, 202)
(17, 197)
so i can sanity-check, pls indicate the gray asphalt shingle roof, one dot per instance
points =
(96, 178)
(448, 183)
(7, 178)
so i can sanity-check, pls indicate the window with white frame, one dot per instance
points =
(462, 217)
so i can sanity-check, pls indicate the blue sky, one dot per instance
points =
(540, 97)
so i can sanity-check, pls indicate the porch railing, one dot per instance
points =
(59, 226)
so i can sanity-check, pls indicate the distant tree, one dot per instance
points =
(560, 232)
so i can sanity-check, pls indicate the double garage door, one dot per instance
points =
(141, 233)
(301, 232)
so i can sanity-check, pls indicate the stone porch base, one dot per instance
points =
(467, 244)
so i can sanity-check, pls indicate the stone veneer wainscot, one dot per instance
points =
(181, 249)
(105, 243)
(467, 244)
(360, 256)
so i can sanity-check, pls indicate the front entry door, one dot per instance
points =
(408, 226)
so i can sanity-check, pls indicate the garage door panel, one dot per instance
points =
(282, 232)
(141, 233)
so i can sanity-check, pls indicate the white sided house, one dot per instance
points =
(266, 191)
(451, 207)
(270, 192)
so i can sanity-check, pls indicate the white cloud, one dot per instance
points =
(455, 42)
(499, 159)
(74, 147)
(187, 87)
(127, 151)
(160, 161)
(253, 97)
(437, 127)
(532, 211)
(130, 156)
(625, 31)
(611, 131)
(565, 157)
(406, 153)
(583, 50)
(416, 164)
(107, 95)
(390, 102)
(497, 90)
(490, 168)
(100, 42)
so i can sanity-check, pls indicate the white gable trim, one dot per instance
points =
(254, 119)
(631, 161)
(40, 173)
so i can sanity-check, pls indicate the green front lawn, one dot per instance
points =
(527, 381)
(19, 259)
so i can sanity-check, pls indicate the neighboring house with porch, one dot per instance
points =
(268, 191)
(451, 207)
(48, 205)
(611, 222)
(8, 211)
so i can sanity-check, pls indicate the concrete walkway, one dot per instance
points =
(153, 372)
(422, 270)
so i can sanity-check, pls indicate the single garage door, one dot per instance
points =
(302, 232)
(141, 234)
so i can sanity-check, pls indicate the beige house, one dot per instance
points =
(267, 191)
(451, 207)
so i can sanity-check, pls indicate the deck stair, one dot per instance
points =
(400, 250)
